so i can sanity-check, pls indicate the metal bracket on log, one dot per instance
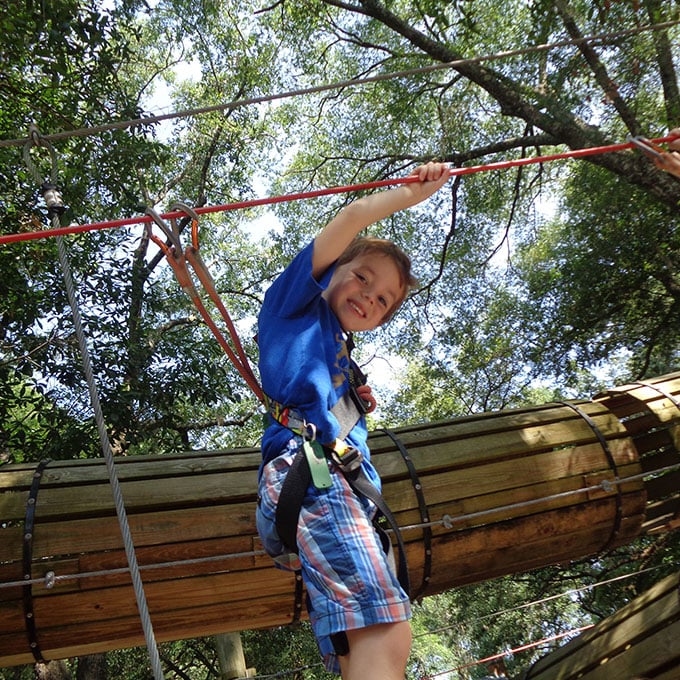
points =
(612, 464)
(29, 526)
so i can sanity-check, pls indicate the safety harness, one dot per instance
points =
(311, 465)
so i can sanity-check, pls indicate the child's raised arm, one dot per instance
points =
(670, 160)
(346, 225)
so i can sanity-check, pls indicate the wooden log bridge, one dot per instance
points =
(477, 497)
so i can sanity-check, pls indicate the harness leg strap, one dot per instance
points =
(292, 494)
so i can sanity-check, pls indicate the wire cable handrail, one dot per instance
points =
(239, 103)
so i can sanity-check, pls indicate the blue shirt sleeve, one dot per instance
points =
(303, 357)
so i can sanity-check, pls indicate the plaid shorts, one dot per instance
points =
(347, 574)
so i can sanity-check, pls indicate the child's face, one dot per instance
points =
(363, 291)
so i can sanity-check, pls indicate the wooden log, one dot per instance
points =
(491, 494)
(640, 640)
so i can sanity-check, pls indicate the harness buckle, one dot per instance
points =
(347, 458)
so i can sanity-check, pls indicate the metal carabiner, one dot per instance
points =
(646, 146)
(309, 432)
(170, 231)
(178, 227)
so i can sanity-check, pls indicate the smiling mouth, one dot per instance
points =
(357, 309)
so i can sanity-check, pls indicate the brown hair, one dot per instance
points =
(371, 244)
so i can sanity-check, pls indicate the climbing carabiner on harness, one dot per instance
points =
(172, 249)
(648, 147)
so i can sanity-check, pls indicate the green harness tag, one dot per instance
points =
(318, 465)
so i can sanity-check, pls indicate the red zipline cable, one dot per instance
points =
(502, 165)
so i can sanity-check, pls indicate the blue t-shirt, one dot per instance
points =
(304, 361)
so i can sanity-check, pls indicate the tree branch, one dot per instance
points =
(543, 113)
(664, 57)
(609, 87)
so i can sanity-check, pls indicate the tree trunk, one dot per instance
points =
(54, 670)
(230, 655)
(92, 667)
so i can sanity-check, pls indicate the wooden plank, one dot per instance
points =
(664, 485)
(672, 672)
(92, 471)
(509, 475)
(563, 522)
(465, 569)
(463, 557)
(641, 617)
(642, 657)
(67, 641)
(475, 451)
(662, 516)
(167, 562)
(464, 513)
(71, 536)
(662, 457)
(96, 608)
(73, 502)
(83, 609)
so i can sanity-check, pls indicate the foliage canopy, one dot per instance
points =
(538, 283)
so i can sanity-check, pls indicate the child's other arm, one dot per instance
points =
(346, 225)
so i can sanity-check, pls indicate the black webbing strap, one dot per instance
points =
(362, 485)
(290, 500)
(422, 508)
(618, 515)
(29, 528)
(293, 492)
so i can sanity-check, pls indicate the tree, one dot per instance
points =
(588, 94)
(532, 278)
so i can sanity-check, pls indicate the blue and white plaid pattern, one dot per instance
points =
(345, 570)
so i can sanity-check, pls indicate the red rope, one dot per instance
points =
(502, 165)
(523, 648)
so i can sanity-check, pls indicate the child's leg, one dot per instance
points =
(378, 652)
(350, 585)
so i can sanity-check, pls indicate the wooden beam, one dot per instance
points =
(640, 640)
(502, 493)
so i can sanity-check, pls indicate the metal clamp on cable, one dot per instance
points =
(53, 200)
(347, 458)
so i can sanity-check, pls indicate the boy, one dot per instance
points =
(335, 286)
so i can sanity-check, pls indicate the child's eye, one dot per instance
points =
(361, 277)
(382, 301)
